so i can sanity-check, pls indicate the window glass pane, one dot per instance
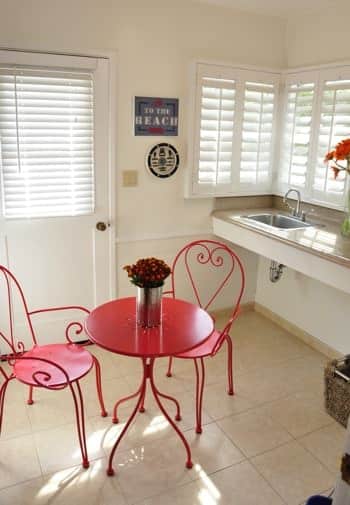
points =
(216, 131)
(296, 141)
(334, 127)
(256, 147)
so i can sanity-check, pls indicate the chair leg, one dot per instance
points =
(99, 387)
(230, 390)
(169, 374)
(80, 418)
(2, 400)
(200, 379)
(30, 400)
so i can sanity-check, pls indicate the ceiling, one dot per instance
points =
(280, 8)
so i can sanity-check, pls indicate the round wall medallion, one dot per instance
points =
(163, 160)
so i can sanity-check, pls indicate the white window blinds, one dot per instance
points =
(334, 126)
(46, 135)
(257, 129)
(296, 140)
(316, 117)
(235, 113)
(216, 131)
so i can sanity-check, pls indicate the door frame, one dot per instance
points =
(111, 57)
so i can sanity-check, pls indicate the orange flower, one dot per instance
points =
(329, 156)
(342, 150)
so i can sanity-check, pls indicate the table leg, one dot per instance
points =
(141, 391)
(156, 395)
(115, 418)
(148, 374)
(172, 399)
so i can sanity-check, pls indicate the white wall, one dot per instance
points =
(317, 308)
(155, 42)
(322, 37)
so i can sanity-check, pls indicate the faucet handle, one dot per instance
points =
(303, 215)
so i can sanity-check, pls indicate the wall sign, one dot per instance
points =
(163, 160)
(156, 116)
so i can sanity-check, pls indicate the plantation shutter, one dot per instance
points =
(217, 106)
(296, 141)
(257, 129)
(46, 135)
(334, 127)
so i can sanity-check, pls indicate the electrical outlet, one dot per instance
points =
(130, 178)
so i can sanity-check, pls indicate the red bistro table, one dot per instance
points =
(113, 326)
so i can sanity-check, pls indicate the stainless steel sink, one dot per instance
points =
(279, 221)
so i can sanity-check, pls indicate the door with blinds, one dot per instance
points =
(55, 232)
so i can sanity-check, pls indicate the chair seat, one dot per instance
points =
(202, 350)
(75, 361)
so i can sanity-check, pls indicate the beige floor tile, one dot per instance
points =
(253, 432)
(327, 445)
(213, 450)
(15, 420)
(219, 404)
(26, 493)
(239, 485)
(18, 461)
(151, 469)
(215, 368)
(299, 413)
(50, 409)
(293, 472)
(281, 380)
(16, 392)
(58, 448)
(113, 390)
(71, 486)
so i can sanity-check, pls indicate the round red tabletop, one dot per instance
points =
(113, 326)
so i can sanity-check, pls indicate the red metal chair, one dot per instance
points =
(52, 366)
(227, 274)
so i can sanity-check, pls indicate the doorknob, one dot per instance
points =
(101, 226)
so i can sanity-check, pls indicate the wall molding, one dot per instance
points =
(162, 236)
(227, 312)
(301, 334)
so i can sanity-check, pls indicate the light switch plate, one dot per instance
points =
(130, 178)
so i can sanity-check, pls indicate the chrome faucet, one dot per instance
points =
(295, 210)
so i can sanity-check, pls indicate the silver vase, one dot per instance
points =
(149, 306)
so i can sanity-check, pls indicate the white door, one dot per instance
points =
(54, 133)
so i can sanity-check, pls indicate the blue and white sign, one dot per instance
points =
(156, 116)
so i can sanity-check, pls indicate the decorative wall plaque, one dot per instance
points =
(163, 160)
(156, 116)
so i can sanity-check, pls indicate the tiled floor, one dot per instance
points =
(270, 444)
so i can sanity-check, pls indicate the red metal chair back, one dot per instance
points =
(11, 295)
(219, 267)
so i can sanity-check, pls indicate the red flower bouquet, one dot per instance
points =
(148, 272)
(339, 154)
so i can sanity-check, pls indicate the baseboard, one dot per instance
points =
(245, 307)
(308, 339)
